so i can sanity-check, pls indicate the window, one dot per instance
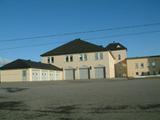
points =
(71, 58)
(52, 59)
(136, 66)
(137, 73)
(99, 56)
(67, 59)
(83, 57)
(142, 65)
(48, 59)
(119, 57)
(142, 74)
(153, 64)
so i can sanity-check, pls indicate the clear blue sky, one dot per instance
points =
(27, 18)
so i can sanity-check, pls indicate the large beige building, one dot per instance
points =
(83, 60)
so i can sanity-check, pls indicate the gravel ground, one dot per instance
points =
(137, 99)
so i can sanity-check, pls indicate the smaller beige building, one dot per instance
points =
(27, 70)
(143, 66)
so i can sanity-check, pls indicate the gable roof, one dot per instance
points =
(115, 46)
(75, 46)
(21, 64)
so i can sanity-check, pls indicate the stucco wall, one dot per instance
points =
(12, 75)
(132, 69)
(60, 61)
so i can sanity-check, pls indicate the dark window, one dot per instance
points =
(119, 57)
(52, 59)
(137, 73)
(48, 59)
(159, 71)
(148, 73)
(85, 57)
(142, 74)
(142, 65)
(67, 59)
(71, 58)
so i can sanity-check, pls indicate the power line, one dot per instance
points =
(127, 34)
(81, 32)
(111, 36)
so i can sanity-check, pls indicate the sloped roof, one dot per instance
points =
(141, 57)
(75, 46)
(22, 64)
(115, 46)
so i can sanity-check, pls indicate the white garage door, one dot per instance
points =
(100, 72)
(52, 75)
(44, 75)
(69, 74)
(35, 75)
(84, 73)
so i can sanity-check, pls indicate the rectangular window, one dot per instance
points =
(48, 59)
(142, 65)
(119, 57)
(98, 56)
(67, 59)
(136, 66)
(137, 73)
(52, 59)
(83, 57)
(101, 56)
(24, 75)
(153, 64)
(71, 58)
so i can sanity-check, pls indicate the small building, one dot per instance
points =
(27, 70)
(143, 66)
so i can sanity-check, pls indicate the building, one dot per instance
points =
(26, 70)
(82, 60)
(79, 59)
(120, 54)
(143, 66)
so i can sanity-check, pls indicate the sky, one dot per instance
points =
(30, 18)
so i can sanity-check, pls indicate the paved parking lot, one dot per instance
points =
(81, 100)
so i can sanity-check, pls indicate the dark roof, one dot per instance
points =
(115, 46)
(75, 46)
(21, 64)
(154, 56)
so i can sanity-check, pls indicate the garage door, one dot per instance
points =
(52, 75)
(35, 75)
(44, 75)
(84, 73)
(100, 72)
(69, 74)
